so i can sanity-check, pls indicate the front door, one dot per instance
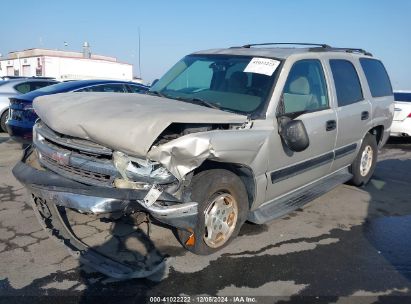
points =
(305, 91)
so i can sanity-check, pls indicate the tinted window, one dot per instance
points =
(136, 89)
(37, 85)
(305, 89)
(116, 88)
(23, 87)
(402, 97)
(31, 86)
(347, 83)
(377, 77)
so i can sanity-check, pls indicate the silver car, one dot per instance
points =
(226, 135)
(13, 87)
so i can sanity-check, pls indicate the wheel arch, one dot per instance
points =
(378, 132)
(243, 172)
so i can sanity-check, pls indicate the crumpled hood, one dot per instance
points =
(126, 122)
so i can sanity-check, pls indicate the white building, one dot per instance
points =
(64, 65)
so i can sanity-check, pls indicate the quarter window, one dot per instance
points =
(305, 89)
(377, 77)
(347, 83)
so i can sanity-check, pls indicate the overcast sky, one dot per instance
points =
(172, 29)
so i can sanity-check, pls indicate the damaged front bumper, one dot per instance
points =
(51, 192)
(100, 200)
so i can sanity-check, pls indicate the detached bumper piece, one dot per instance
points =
(53, 221)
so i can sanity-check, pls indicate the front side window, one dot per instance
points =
(346, 81)
(225, 82)
(305, 89)
(377, 77)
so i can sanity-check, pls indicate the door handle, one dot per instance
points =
(365, 115)
(330, 125)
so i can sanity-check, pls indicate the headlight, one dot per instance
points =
(141, 170)
(37, 137)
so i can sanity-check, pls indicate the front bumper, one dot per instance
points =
(100, 200)
(52, 194)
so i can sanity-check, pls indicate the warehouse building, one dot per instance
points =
(64, 65)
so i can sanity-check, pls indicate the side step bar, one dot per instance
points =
(285, 204)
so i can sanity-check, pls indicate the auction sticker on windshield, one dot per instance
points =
(263, 66)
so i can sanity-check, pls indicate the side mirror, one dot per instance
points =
(294, 134)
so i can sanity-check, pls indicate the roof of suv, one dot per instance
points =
(278, 52)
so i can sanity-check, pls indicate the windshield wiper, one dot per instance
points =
(205, 103)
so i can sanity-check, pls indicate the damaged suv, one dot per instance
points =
(226, 135)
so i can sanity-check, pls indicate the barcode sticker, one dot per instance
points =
(263, 66)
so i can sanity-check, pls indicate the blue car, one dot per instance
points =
(22, 116)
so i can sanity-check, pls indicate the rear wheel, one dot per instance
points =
(222, 210)
(364, 164)
(3, 119)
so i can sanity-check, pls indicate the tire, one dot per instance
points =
(3, 119)
(364, 164)
(222, 198)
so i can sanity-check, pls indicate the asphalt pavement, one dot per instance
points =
(352, 245)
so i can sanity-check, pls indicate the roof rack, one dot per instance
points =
(348, 50)
(318, 47)
(286, 43)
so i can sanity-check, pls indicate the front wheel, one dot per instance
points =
(222, 210)
(364, 164)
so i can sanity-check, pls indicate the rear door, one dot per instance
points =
(353, 110)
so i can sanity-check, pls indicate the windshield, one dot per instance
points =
(232, 83)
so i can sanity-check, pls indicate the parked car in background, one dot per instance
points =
(17, 86)
(401, 125)
(22, 116)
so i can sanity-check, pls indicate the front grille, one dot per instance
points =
(79, 174)
(74, 158)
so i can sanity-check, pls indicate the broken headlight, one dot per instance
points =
(140, 170)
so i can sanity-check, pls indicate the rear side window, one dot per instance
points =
(115, 88)
(347, 83)
(23, 87)
(31, 86)
(136, 89)
(38, 85)
(402, 97)
(377, 77)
